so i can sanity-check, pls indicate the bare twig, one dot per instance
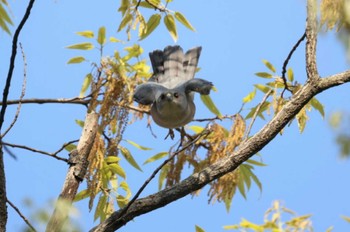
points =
(21, 215)
(75, 100)
(214, 118)
(257, 112)
(6, 91)
(64, 146)
(24, 84)
(35, 150)
(285, 64)
(12, 61)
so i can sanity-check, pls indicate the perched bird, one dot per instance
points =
(171, 89)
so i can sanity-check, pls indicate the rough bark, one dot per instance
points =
(313, 86)
(76, 172)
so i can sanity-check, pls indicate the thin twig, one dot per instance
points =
(21, 215)
(214, 118)
(35, 150)
(257, 112)
(125, 209)
(12, 62)
(285, 64)
(24, 84)
(64, 146)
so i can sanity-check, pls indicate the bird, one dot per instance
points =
(170, 90)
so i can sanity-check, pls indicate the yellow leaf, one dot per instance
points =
(169, 22)
(138, 146)
(196, 129)
(290, 74)
(317, 105)
(86, 84)
(262, 88)
(117, 169)
(156, 157)
(127, 155)
(112, 159)
(152, 24)
(76, 60)
(263, 74)
(199, 229)
(181, 18)
(81, 46)
(206, 99)
(250, 96)
(126, 19)
(269, 66)
(81, 195)
(114, 40)
(86, 34)
(101, 38)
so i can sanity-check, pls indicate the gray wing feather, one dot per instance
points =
(147, 93)
(190, 62)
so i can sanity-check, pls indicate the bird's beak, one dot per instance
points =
(169, 96)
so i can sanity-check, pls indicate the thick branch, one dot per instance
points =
(247, 149)
(76, 172)
(311, 40)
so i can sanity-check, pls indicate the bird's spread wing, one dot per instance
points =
(172, 67)
(197, 85)
(147, 93)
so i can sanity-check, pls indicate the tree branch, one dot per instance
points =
(22, 216)
(3, 207)
(248, 147)
(76, 172)
(54, 155)
(311, 41)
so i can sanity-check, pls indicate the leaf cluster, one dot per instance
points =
(274, 90)
(134, 19)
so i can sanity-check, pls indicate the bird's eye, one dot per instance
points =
(176, 95)
(162, 97)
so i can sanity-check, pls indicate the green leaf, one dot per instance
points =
(100, 208)
(162, 175)
(206, 99)
(127, 155)
(126, 188)
(243, 169)
(254, 178)
(117, 169)
(241, 187)
(146, 5)
(231, 227)
(86, 84)
(169, 22)
(80, 122)
(199, 229)
(81, 46)
(112, 159)
(70, 147)
(317, 105)
(290, 75)
(138, 146)
(250, 96)
(154, 2)
(126, 19)
(181, 18)
(124, 6)
(262, 88)
(152, 24)
(196, 129)
(269, 66)
(4, 20)
(76, 60)
(101, 38)
(86, 34)
(256, 163)
(156, 157)
(114, 40)
(264, 74)
(81, 195)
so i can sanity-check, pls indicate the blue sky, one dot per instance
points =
(304, 170)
